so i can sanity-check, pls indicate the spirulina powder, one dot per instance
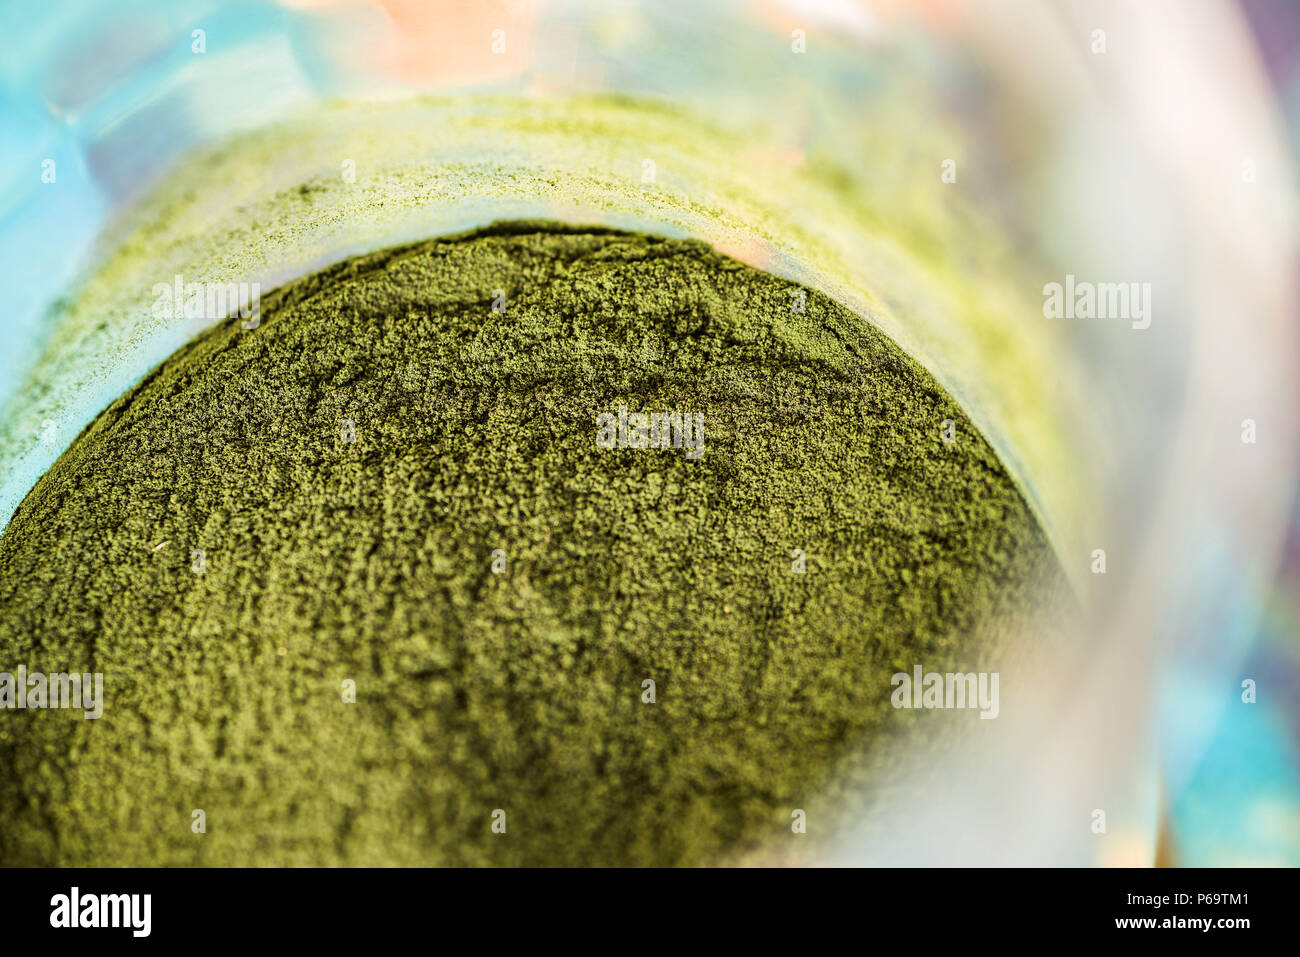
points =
(368, 585)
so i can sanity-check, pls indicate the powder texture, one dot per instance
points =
(394, 483)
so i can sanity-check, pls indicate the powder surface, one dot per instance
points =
(395, 481)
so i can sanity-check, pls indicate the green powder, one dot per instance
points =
(395, 481)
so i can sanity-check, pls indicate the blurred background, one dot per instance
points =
(933, 164)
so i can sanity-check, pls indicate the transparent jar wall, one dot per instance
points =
(931, 167)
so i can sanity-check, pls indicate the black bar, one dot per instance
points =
(650, 908)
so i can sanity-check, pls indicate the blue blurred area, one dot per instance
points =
(1229, 765)
(114, 94)
(46, 228)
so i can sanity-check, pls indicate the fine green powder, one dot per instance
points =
(395, 481)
